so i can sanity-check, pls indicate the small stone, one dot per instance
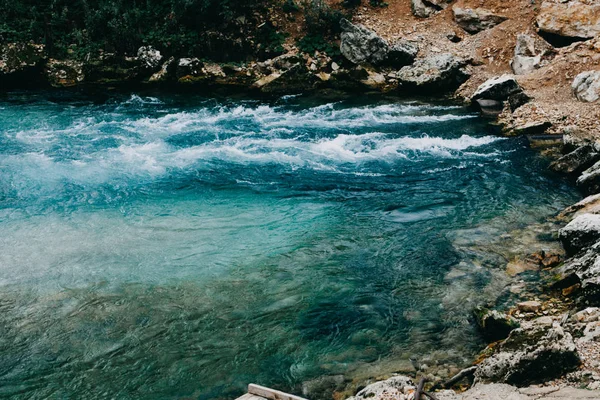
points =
(529, 306)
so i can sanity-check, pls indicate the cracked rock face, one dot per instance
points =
(402, 53)
(499, 88)
(576, 161)
(476, 20)
(440, 72)
(149, 57)
(533, 354)
(590, 179)
(580, 233)
(530, 54)
(586, 86)
(572, 19)
(360, 45)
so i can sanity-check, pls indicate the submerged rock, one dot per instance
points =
(440, 72)
(582, 232)
(476, 20)
(537, 353)
(360, 45)
(586, 86)
(571, 19)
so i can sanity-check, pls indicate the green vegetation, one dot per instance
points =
(178, 27)
(219, 30)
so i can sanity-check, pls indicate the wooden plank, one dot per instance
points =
(249, 396)
(271, 394)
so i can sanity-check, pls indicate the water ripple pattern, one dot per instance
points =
(178, 246)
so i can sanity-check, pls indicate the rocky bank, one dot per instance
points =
(532, 67)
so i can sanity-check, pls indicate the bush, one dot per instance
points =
(311, 43)
(320, 19)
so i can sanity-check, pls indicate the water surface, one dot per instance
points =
(182, 247)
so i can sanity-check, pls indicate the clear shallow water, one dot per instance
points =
(182, 247)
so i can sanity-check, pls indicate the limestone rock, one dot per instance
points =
(530, 52)
(149, 57)
(295, 79)
(402, 53)
(586, 86)
(582, 232)
(392, 388)
(189, 67)
(589, 205)
(571, 19)
(529, 306)
(493, 324)
(583, 270)
(421, 9)
(534, 354)
(360, 45)
(163, 73)
(64, 73)
(499, 88)
(576, 161)
(493, 391)
(110, 67)
(441, 4)
(590, 179)
(476, 20)
(440, 72)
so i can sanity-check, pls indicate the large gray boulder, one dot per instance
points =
(476, 20)
(586, 86)
(536, 353)
(360, 45)
(441, 72)
(571, 19)
(580, 233)
(499, 88)
(530, 52)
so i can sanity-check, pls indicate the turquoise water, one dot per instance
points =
(181, 247)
